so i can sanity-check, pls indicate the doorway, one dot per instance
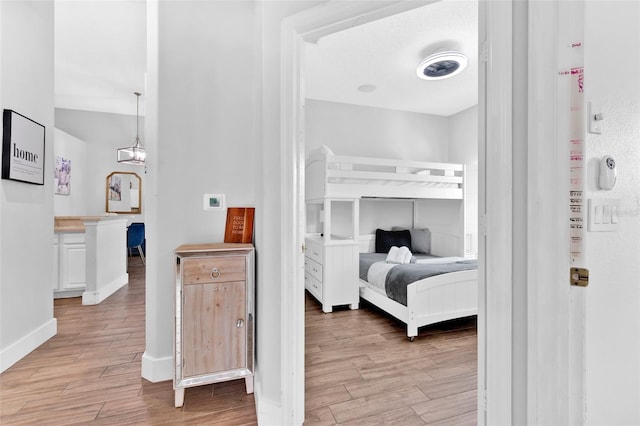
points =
(331, 18)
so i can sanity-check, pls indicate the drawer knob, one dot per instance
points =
(215, 273)
(240, 323)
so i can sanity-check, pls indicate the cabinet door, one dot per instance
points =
(214, 330)
(73, 260)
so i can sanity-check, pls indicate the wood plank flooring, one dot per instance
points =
(89, 373)
(360, 370)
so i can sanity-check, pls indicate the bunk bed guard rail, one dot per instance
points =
(335, 176)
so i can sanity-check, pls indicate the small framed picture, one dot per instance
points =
(213, 202)
(62, 176)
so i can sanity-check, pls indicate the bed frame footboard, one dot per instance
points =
(431, 300)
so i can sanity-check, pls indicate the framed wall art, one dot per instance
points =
(62, 176)
(22, 148)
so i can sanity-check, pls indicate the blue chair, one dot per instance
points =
(135, 238)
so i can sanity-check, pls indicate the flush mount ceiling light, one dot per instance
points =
(134, 154)
(443, 64)
(367, 88)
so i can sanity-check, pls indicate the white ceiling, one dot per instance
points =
(385, 53)
(100, 58)
(100, 54)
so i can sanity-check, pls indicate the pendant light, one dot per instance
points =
(134, 154)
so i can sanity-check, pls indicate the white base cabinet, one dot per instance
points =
(331, 272)
(70, 253)
(90, 257)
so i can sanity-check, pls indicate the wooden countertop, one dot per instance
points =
(76, 223)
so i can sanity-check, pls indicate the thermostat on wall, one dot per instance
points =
(213, 202)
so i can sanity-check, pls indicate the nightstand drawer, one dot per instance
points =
(314, 286)
(314, 252)
(214, 269)
(313, 268)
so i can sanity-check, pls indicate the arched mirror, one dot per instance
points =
(124, 193)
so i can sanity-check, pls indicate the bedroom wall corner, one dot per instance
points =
(463, 148)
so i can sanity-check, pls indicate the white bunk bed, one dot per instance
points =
(334, 176)
(342, 178)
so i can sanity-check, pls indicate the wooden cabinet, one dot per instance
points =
(214, 315)
(331, 272)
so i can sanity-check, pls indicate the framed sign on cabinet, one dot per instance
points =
(239, 226)
(22, 148)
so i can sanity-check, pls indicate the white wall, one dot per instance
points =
(74, 150)
(612, 61)
(201, 79)
(376, 132)
(383, 214)
(26, 211)
(102, 134)
(463, 148)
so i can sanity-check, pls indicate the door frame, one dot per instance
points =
(495, 351)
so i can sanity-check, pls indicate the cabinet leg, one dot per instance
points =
(248, 382)
(354, 306)
(327, 308)
(179, 397)
(412, 331)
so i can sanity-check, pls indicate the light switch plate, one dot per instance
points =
(594, 125)
(603, 214)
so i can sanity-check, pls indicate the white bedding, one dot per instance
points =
(377, 274)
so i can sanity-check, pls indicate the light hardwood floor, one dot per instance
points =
(360, 370)
(89, 373)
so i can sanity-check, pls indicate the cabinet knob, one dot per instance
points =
(215, 273)
(240, 323)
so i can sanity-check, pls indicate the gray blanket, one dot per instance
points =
(402, 275)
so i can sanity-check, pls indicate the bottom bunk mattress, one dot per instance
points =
(391, 279)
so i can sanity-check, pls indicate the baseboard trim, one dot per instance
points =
(268, 412)
(65, 294)
(157, 369)
(95, 297)
(18, 350)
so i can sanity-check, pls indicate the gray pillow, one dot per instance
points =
(420, 239)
